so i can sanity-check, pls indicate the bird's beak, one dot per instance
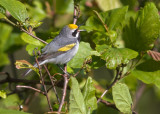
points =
(79, 29)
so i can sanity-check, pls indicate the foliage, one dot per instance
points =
(118, 36)
(122, 98)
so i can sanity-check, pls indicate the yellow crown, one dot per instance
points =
(72, 26)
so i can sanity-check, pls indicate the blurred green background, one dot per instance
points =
(54, 14)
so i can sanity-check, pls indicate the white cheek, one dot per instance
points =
(77, 34)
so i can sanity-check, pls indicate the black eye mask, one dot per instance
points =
(74, 33)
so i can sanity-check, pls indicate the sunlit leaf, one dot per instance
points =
(116, 56)
(112, 18)
(16, 9)
(3, 94)
(108, 4)
(84, 51)
(141, 33)
(29, 39)
(89, 95)
(2, 12)
(122, 98)
(32, 49)
(76, 99)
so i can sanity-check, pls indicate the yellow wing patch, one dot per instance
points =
(72, 26)
(67, 47)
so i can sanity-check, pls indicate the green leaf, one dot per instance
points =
(141, 33)
(116, 56)
(4, 60)
(5, 31)
(30, 48)
(100, 38)
(97, 62)
(16, 9)
(3, 94)
(29, 39)
(2, 12)
(149, 66)
(89, 95)
(122, 98)
(36, 13)
(67, 6)
(148, 72)
(76, 100)
(147, 77)
(108, 4)
(2, 16)
(84, 51)
(7, 111)
(112, 19)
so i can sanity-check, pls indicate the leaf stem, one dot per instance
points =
(100, 18)
(12, 23)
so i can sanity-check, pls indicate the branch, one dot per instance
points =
(33, 36)
(76, 14)
(44, 86)
(8, 79)
(108, 104)
(53, 85)
(25, 31)
(29, 87)
(138, 95)
(115, 80)
(100, 18)
(64, 89)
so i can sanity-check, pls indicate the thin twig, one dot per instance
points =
(44, 86)
(29, 87)
(53, 85)
(64, 89)
(25, 31)
(138, 95)
(8, 79)
(57, 74)
(108, 104)
(100, 18)
(114, 81)
(33, 36)
(76, 14)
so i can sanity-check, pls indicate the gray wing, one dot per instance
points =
(56, 43)
(51, 49)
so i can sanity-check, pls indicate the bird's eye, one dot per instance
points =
(74, 33)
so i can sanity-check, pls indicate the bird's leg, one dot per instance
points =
(63, 69)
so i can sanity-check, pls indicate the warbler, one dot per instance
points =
(62, 48)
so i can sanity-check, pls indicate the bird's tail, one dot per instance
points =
(28, 71)
(35, 65)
